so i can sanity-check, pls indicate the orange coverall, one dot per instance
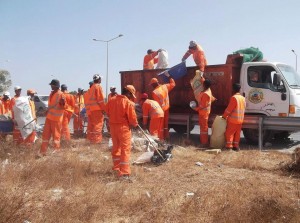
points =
(121, 113)
(97, 107)
(6, 106)
(199, 57)
(161, 95)
(235, 116)
(150, 60)
(69, 109)
(17, 137)
(78, 120)
(110, 95)
(205, 99)
(53, 123)
(153, 110)
(88, 114)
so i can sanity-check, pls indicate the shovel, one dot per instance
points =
(159, 153)
(29, 123)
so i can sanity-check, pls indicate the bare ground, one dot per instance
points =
(78, 185)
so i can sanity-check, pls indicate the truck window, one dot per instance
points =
(261, 77)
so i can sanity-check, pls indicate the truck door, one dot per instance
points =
(262, 97)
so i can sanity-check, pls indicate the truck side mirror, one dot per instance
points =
(283, 96)
(276, 79)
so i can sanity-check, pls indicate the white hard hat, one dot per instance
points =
(193, 104)
(17, 88)
(96, 77)
(193, 43)
(6, 93)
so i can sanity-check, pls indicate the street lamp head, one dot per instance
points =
(94, 39)
(120, 35)
(293, 51)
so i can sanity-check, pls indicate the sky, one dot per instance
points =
(45, 39)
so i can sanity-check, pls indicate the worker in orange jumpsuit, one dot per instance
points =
(69, 110)
(78, 120)
(31, 94)
(54, 118)
(150, 59)
(112, 92)
(198, 55)
(6, 104)
(87, 111)
(234, 114)
(161, 95)
(97, 108)
(121, 112)
(205, 99)
(151, 109)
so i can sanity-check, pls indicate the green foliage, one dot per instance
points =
(5, 81)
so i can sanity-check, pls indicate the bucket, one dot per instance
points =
(6, 126)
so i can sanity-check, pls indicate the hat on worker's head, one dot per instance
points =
(144, 96)
(64, 87)
(131, 89)
(91, 83)
(112, 87)
(192, 44)
(6, 93)
(17, 88)
(55, 83)
(31, 91)
(80, 89)
(150, 51)
(153, 81)
(96, 77)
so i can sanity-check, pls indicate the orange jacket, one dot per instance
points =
(96, 98)
(205, 100)
(151, 109)
(236, 109)
(70, 102)
(56, 106)
(161, 94)
(150, 60)
(199, 57)
(6, 106)
(120, 110)
(86, 97)
(110, 95)
(79, 103)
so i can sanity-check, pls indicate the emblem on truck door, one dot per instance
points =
(255, 95)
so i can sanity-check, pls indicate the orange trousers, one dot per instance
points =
(156, 127)
(51, 129)
(65, 130)
(88, 128)
(121, 139)
(78, 125)
(166, 134)
(18, 139)
(96, 120)
(233, 135)
(203, 123)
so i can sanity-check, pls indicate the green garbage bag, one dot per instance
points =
(250, 54)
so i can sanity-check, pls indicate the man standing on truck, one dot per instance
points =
(54, 118)
(150, 59)
(198, 55)
(205, 99)
(97, 109)
(151, 109)
(121, 113)
(161, 95)
(234, 113)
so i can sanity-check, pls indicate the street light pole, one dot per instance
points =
(107, 41)
(296, 58)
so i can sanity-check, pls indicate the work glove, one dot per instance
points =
(182, 60)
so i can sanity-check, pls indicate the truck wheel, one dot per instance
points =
(251, 135)
(281, 135)
(181, 129)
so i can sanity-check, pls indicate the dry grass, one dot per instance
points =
(78, 185)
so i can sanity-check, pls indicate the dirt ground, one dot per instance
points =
(78, 185)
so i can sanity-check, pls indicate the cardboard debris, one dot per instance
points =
(213, 151)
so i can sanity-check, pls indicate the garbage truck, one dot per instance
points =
(275, 92)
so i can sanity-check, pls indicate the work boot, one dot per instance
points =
(227, 149)
(236, 149)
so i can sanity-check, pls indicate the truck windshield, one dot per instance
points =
(290, 75)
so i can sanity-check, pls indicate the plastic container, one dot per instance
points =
(176, 72)
(193, 104)
(6, 126)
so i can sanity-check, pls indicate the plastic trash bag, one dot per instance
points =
(144, 158)
(217, 138)
(162, 60)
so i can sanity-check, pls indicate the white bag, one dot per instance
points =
(23, 116)
(144, 158)
(217, 138)
(162, 60)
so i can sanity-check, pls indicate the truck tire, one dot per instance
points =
(181, 129)
(251, 135)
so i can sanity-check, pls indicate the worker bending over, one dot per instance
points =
(161, 95)
(198, 55)
(121, 113)
(234, 113)
(151, 109)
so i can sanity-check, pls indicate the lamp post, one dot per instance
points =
(296, 58)
(107, 41)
